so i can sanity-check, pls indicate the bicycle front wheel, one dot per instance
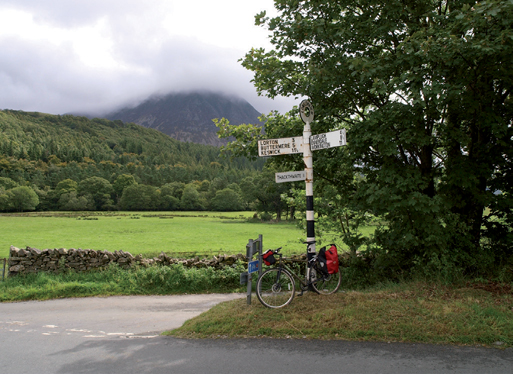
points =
(324, 283)
(275, 288)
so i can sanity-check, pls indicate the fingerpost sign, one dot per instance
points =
(305, 144)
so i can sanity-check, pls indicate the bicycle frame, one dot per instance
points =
(277, 286)
(305, 283)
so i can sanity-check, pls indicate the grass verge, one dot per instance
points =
(467, 314)
(409, 312)
(155, 280)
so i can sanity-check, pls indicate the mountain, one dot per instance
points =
(188, 116)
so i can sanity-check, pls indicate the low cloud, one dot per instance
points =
(101, 55)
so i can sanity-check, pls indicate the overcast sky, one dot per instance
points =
(60, 56)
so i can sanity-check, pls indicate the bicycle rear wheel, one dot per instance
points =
(324, 283)
(275, 288)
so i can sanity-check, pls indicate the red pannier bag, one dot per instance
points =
(269, 258)
(332, 259)
(331, 256)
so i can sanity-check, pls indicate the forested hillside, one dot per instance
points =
(74, 163)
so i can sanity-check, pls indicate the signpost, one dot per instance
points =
(331, 139)
(290, 176)
(280, 146)
(305, 145)
(307, 115)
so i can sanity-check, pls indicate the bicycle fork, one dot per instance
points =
(277, 284)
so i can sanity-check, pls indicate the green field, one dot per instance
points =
(148, 233)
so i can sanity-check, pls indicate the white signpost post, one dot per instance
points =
(305, 144)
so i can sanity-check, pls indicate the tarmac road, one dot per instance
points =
(121, 335)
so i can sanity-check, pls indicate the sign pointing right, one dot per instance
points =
(331, 139)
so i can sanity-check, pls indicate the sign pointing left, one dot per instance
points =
(281, 146)
(290, 176)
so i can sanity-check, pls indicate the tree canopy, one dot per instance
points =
(424, 89)
(74, 163)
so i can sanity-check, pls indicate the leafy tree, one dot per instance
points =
(226, 200)
(21, 199)
(173, 189)
(205, 186)
(217, 184)
(45, 202)
(265, 193)
(53, 159)
(4, 201)
(66, 186)
(122, 182)
(71, 201)
(7, 183)
(139, 197)
(424, 88)
(52, 200)
(100, 191)
(170, 195)
(168, 202)
(191, 199)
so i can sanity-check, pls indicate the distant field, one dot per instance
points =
(179, 233)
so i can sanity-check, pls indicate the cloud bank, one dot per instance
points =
(65, 56)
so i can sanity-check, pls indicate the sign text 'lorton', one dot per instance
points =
(281, 146)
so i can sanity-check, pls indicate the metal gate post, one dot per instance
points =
(260, 251)
(250, 275)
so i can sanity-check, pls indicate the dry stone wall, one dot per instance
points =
(32, 260)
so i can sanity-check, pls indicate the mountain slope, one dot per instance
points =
(188, 116)
(45, 149)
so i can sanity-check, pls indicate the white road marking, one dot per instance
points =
(80, 330)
